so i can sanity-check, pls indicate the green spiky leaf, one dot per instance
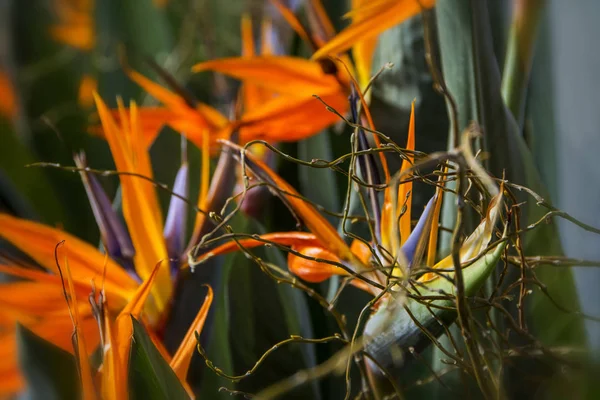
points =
(51, 372)
(150, 376)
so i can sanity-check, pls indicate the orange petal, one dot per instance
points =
(280, 74)
(124, 326)
(79, 35)
(405, 189)
(477, 242)
(361, 250)
(435, 224)
(165, 96)
(87, 263)
(113, 386)
(140, 203)
(8, 99)
(291, 19)
(25, 299)
(311, 270)
(181, 360)
(321, 20)
(83, 364)
(315, 222)
(290, 118)
(198, 119)
(362, 51)
(136, 304)
(247, 36)
(87, 86)
(11, 380)
(373, 21)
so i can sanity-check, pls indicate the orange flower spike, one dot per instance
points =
(140, 205)
(435, 224)
(85, 372)
(372, 18)
(405, 189)
(181, 360)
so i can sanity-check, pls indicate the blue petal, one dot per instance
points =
(414, 244)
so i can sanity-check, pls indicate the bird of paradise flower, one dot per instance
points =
(137, 260)
(398, 252)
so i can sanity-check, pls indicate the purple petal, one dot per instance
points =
(175, 225)
(414, 246)
(114, 234)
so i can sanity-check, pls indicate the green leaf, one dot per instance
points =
(510, 153)
(50, 120)
(51, 372)
(219, 349)
(25, 183)
(472, 75)
(150, 376)
(318, 147)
